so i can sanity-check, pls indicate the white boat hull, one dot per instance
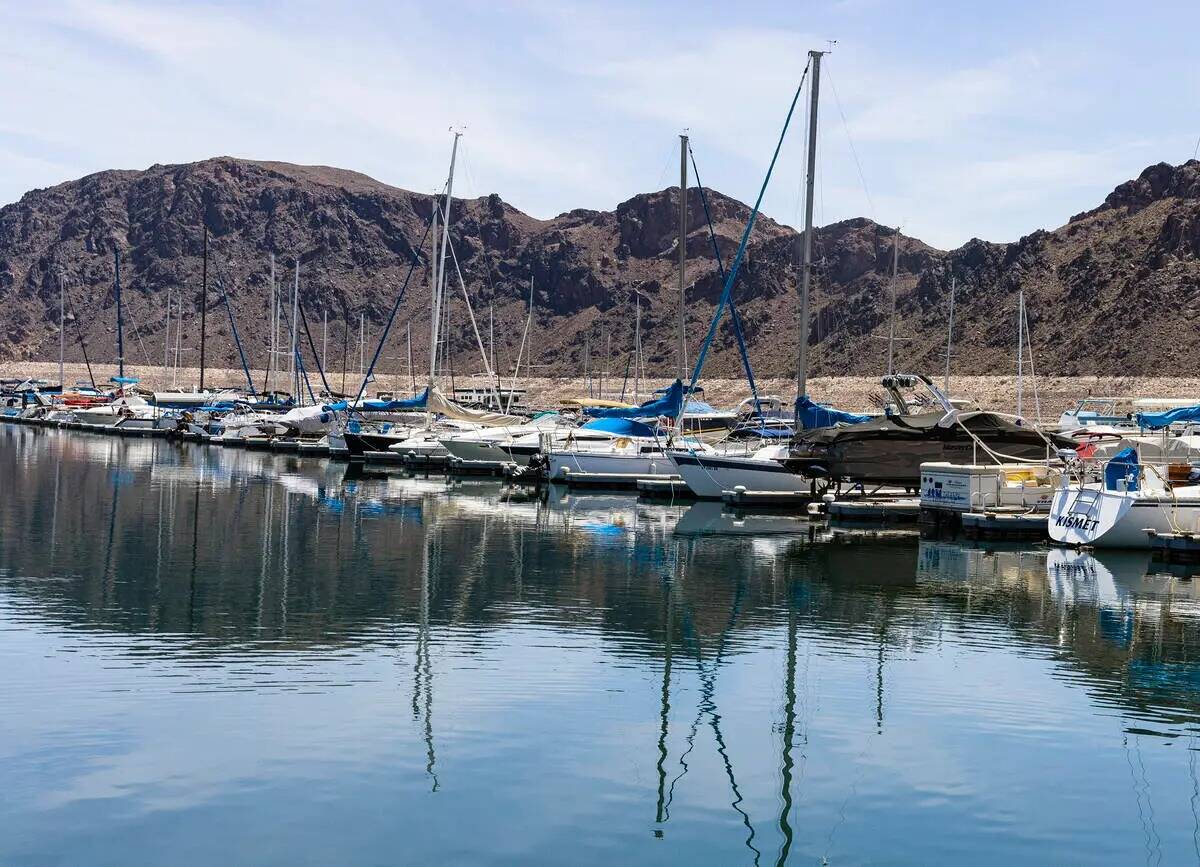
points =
(1101, 518)
(709, 476)
(651, 465)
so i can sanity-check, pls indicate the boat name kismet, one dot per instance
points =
(1076, 522)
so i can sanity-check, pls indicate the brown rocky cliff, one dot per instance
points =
(1113, 291)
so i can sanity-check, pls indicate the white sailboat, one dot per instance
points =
(1119, 502)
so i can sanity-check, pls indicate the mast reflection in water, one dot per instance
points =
(220, 656)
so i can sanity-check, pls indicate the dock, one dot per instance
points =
(1006, 525)
(877, 510)
(669, 488)
(744, 499)
(1181, 547)
(607, 481)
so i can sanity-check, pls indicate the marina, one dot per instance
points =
(616, 434)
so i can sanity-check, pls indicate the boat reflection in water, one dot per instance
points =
(206, 637)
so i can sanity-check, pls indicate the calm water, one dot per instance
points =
(215, 656)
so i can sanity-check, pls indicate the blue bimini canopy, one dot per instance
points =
(1155, 420)
(125, 380)
(417, 402)
(812, 415)
(668, 405)
(621, 426)
(1122, 466)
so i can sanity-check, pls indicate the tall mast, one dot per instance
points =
(637, 349)
(203, 307)
(683, 182)
(325, 339)
(274, 326)
(362, 342)
(408, 340)
(949, 338)
(120, 316)
(809, 183)
(295, 323)
(892, 317)
(167, 335)
(441, 273)
(62, 321)
(1020, 349)
(433, 284)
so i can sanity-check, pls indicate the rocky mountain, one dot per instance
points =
(1114, 291)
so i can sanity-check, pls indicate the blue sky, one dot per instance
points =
(968, 119)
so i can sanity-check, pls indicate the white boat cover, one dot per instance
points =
(442, 405)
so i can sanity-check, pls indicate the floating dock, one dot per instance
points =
(670, 488)
(1177, 547)
(1012, 525)
(608, 481)
(877, 510)
(744, 499)
(383, 458)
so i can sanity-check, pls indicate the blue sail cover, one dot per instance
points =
(812, 415)
(1122, 465)
(417, 402)
(1155, 420)
(668, 405)
(625, 427)
(125, 380)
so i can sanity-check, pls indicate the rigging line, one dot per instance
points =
(853, 151)
(312, 346)
(396, 306)
(138, 335)
(734, 317)
(82, 340)
(471, 314)
(741, 252)
(233, 328)
(299, 357)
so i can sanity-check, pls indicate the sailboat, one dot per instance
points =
(762, 468)
(1142, 490)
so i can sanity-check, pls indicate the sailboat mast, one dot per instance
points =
(325, 339)
(203, 307)
(637, 349)
(120, 315)
(683, 183)
(412, 377)
(441, 272)
(1020, 349)
(295, 317)
(62, 321)
(273, 324)
(949, 338)
(892, 316)
(433, 284)
(809, 184)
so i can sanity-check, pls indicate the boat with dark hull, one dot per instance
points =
(918, 428)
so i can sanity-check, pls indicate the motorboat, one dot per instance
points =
(920, 425)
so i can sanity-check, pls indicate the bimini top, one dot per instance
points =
(625, 427)
(125, 380)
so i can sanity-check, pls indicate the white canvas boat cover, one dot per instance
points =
(442, 405)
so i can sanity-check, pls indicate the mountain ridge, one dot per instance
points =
(1093, 286)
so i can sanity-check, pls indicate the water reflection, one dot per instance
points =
(578, 672)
